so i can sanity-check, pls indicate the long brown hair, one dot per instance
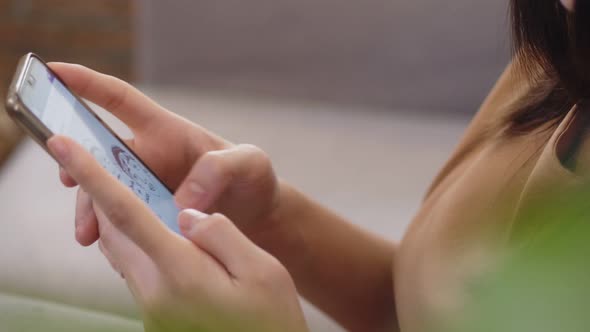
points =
(552, 48)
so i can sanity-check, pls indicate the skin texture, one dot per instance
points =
(212, 279)
(208, 173)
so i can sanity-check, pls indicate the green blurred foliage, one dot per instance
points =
(20, 314)
(543, 284)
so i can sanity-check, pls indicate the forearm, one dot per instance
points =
(340, 268)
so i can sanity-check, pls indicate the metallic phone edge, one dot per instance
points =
(36, 129)
(17, 110)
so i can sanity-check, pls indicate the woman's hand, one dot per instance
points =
(217, 280)
(207, 172)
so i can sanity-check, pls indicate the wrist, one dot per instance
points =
(283, 235)
(289, 205)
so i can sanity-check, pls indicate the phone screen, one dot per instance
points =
(57, 108)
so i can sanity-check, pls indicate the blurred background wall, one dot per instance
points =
(421, 55)
(96, 33)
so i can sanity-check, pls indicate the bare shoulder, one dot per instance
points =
(511, 86)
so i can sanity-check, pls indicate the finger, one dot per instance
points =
(125, 257)
(105, 252)
(85, 221)
(220, 238)
(114, 95)
(66, 179)
(125, 210)
(69, 182)
(214, 172)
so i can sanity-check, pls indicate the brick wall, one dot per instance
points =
(96, 33)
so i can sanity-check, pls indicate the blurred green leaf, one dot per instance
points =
(543, 284)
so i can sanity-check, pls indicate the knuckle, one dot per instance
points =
(271, 274)
(255, 155)
(212, 225)
(219, 219)
(251, 149)
(257, 162)
(277, 271)
(217, 165)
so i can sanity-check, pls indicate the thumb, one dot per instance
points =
(125, 210)
(215, 171)
(220, 238)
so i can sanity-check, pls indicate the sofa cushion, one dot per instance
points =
(30, 315)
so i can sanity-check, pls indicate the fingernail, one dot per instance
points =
(189, 218)
(59, 149)
(190, 196)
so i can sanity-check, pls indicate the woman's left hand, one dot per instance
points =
(212, 279)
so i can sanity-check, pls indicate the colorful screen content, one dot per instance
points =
(63, 114)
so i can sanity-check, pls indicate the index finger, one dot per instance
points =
(123, 209)
(114, 95)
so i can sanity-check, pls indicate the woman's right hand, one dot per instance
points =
(207, 172)
(318, 247)
(212, 278)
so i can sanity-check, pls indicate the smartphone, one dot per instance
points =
(41, 104)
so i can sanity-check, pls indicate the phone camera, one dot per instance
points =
(31, 80)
